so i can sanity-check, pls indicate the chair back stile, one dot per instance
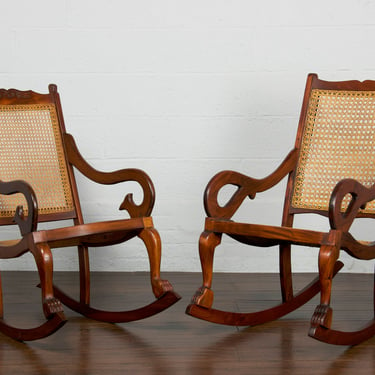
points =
(78, 219)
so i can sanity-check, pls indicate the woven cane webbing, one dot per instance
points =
(31, 150)
(338, 142)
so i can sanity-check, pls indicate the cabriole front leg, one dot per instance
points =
(151, 239)
(208, 242)
(328, 255)
(43, 258)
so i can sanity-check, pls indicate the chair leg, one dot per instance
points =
(208, 242)
(328, 255)
(84, 275)
(286, 282)
(52, 307)
(321, 320)
(151, 239)
(43, 257)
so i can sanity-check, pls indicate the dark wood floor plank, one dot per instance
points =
(174, 343)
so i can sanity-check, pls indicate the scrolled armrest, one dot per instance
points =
(109, 178)
(247, 187)
(360, 195)
(26, 224)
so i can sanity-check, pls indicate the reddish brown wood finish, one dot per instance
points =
(336, 238)
(82, 235)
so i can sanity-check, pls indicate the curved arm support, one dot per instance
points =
(109, 178)
(247, 187)
(26, 224)
(360, 195)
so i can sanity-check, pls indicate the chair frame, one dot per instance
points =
(219, 221)
(80, 234)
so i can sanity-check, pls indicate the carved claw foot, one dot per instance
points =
(203, 297)
(322, 316)
(52, 306)
(160, 287)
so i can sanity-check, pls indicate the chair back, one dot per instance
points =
(336, 140)
(32, 149)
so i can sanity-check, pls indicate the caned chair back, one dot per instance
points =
(32, 149)
(336, 140)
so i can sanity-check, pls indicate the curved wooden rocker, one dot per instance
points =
(205, 312)
(331, 161)
(41, 169)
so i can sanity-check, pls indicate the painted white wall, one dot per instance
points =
(184, 89)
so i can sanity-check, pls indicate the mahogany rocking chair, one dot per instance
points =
(37, 184)
(331, 172)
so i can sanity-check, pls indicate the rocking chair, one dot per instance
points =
(331, 172)
(37, 184)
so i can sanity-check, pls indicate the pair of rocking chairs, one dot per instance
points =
(330, 172)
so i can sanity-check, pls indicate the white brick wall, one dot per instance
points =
(183, 89)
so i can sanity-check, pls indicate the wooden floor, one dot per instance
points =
(174, 343)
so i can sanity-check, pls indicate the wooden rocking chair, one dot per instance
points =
(37, 184)
(332, 173)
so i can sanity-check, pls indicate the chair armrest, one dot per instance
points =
(29, 223)
(360, 196)
(247, 187)
(110, 178)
